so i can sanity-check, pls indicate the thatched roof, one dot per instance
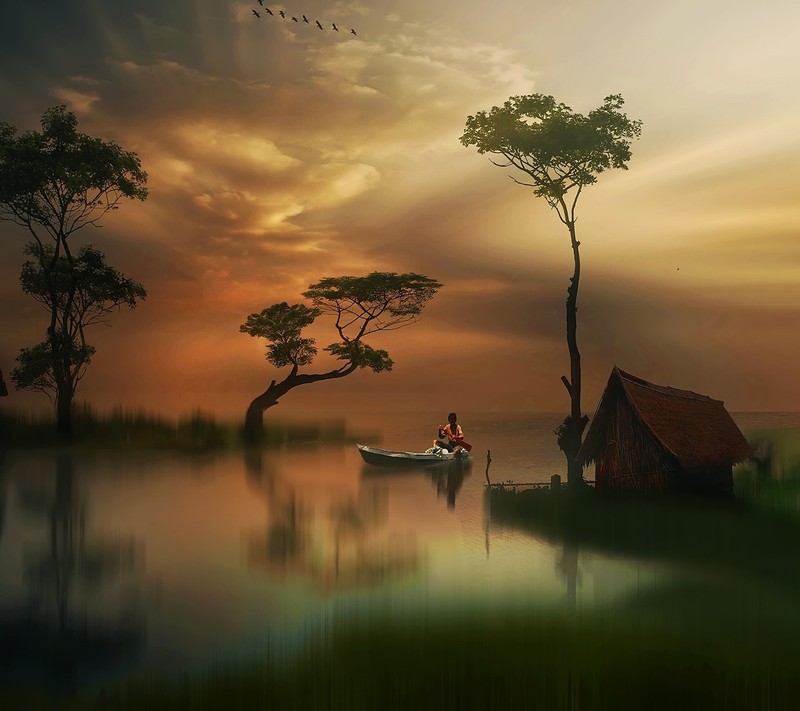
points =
(695, 429)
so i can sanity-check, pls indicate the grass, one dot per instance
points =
(139, 429)
(772, 482)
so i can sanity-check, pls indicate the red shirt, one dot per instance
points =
(453, 436)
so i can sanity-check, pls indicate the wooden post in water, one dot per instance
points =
(555, 483)
(488, 462)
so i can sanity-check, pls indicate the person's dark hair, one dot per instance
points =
(452, 414)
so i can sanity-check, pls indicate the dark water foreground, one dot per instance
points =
(475, 661)
(301, 578)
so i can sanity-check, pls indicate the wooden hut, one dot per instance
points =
(653, 438)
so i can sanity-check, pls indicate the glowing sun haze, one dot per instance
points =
(278, 154)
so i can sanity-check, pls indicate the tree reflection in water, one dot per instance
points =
(567, 566)
(48, 636)
(343, 544)
(3, 489)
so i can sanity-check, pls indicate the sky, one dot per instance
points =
(278, 154)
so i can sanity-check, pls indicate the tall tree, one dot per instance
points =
(562, 152)
(380, 301)
(53, 183)
(80, 294)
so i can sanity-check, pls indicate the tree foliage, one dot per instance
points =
(81, 294)
(281, 325)
(362, 305)
(377, 302)
(556, 147)
(58, 180)
(362, 355)
(39, 365)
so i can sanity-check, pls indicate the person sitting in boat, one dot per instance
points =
(453, 432)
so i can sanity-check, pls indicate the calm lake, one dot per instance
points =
(113, 564)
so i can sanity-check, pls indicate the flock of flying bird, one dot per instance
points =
(305, 19)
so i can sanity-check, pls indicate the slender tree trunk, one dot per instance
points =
(576, 422)
(61, 341)
(65, 385)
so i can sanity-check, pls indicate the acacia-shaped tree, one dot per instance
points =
(53, 183)
(562, 152)
(78, 294)
(380, 301)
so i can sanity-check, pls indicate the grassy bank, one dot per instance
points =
(139, 429)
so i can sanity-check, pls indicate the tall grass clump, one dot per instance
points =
(120, 428)
(771, 480)
(123, 428)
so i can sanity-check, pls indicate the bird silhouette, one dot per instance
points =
(305, 19)
(261, 2)
(335, 27)
(318, 25)
(353, 31)
(295, 19)
(269, 11)
(282, 14)
(256, 14)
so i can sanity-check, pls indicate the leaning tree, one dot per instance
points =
(79, 294)
(53, 183)
(562, 152)
(380, 301)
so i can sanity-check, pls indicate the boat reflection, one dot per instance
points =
(449, 478)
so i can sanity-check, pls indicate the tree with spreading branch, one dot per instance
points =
(561, 152)
(53, 183)
(361, 306)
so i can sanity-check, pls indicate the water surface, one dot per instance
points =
(112, 563)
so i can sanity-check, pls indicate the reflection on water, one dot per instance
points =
(267, 550)
(341, 544)
(53, 632)
(449, 478)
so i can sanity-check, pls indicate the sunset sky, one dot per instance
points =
(278, 154)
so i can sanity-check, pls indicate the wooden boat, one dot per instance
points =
(387, 457)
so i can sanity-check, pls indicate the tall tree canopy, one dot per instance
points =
(561, 152)
(361, 306)
(53, 183)
(56, 181)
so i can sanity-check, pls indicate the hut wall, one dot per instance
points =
(632, 459)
